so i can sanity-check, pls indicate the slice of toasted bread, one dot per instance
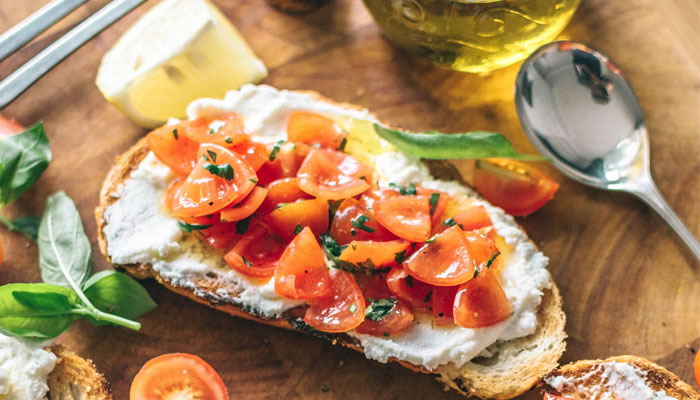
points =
(75, 378)
(517, 365)
(582, 379)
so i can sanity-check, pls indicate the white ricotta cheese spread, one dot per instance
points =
(618, 381)
(24, 369)
(138, 230)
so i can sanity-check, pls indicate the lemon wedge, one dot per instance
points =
(179, 51)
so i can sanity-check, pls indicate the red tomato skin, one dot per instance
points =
(440, 206)
(696, 368)
(8, 126)
(520, 189)
(333, 175)
(418, 295)
(179, 153)
(312, 128)
(302, 273)
(481, 249)
(381, 253)
(397, 321)
(473, 218)
(312, 213)
(253, 153)
(260, 247)
(446, 261)
(407, 217)
(246, 207)
(283, 190)
(286, 162)
(481, 302)
(344, 232)
(228, 135)
(443, 301)
(189, 372)
(334, 314)
(220, 235)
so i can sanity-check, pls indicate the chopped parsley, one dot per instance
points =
(224, 171)
(242, 226)
(255, 181)
(400, 256)
(492, 259)
(175, 135)
(331, 245)
(246, 262)
(212, 155)
(353, 308)
(449, 222)
(360, 221)
(342, 144)
(276, 150)
(298, 229)
(409, 281)
(378, 309)
(432, 239)
(428, 296)
(409, 190)
(228, 139)
(189, 228)
(434, 199)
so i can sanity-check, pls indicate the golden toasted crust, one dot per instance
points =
(514, 372)
(587, 375)
(75, 378)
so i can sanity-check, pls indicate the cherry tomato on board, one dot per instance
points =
(350, 210)
(302, 272)
(416, 294)
(407, 217)
(177, 375)
(312, 128)
(173, 149)
(443, 304)
(333, 175)
(246, 207)
(437, 201)
(282, 160)
(443, 262)
(257, 253)
(696, 368)
(220, 235)
(9, 126)
(226, 130)
(520, 189)
(481, 302)
(342, 311)
(287, 219)
(283, 190)
(253, 153)
(398, 320)
(380, 253)
(473, 218)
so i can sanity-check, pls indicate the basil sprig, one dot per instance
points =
(445, 146)
(45, 310)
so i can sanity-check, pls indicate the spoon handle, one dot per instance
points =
(647, 191)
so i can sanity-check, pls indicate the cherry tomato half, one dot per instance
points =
(473, 218)
(312, 128)
(225, 130)
(341, 312)
(416, 294)
(287, 218)
(348, 216)
(246, 207)
(443, 262)
(398, 320)
(173, 149)
(380, 253)
(696, 368)
(333, 175)
(407, 217)
(481, 302)
(257, 253)
(302, 272)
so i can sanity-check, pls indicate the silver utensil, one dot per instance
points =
(577, 108)
(18, 81)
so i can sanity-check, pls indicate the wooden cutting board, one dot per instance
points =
(628, 284)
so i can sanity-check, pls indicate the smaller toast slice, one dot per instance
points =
(75, 378)
(588, 379)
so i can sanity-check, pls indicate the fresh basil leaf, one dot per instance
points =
(64, 249)
(28, 226)
(378, 309)
(444, 146)
(23, 157)
(33, 310)
(119, 294)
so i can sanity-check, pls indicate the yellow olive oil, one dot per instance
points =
(471, 35)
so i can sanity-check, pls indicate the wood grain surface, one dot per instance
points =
(628, 284)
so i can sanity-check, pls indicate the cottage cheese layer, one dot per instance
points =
(618, 381)
(139, 230)
(24, 369)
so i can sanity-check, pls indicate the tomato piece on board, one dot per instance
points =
(302, 272)
(549, 396)
(246, 207)
(473, 218)
(481, 302)
(348, 216)
(341, 312)
(283, 160)
(177, 375)
(416, 294)
(443, 304)
(8, 126)
(437, 201)
(312, 128)
(407, 217)
(379, 253)
(396, 321)
(518, 188)
(287, 219)
(482, 249)
(446, 261)
(253, 153)
(226, 130)
(173, 149)
(219, 179)
(257, 253)
(283, 190)
(333, 175)
(219, 235)
(696, 368)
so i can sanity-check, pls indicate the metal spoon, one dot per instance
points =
(578, 109)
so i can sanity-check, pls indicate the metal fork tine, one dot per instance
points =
(33, 25)
(18, 81)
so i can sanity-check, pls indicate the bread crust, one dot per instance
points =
(657, 378)
(75, 378)
(479, 380)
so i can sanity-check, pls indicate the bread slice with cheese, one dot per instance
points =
(621, 378)
(504, 370)
(75, 378)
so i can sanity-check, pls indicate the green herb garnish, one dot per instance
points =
(449, 222)
(298, 229)
(360, 221)
(246, 262)
(189, 228)
(401, 256)
(212, 155)
(275, 150)
(27, 226)
(175, 135)
(409, 281)
(428, 296)
(378, 309)
(409, 190)
(342, 144)
(242, 226)
(353, 308)
(434, 199)
(224, 171)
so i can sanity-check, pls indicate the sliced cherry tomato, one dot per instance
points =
(333, 175)
(696, 368)
(473, 218)
(286, 219)
(302, 272)
(443, 304)
(443, 262)
(177, 375)
(253, 153)
(246, 207)
(437, 201)
(418, 295)
(8, 126)
(341, 312)
(219, 235)
(518, 188)
(482, 249)
(283, 190)
(173, 149)
(398, 320)
(257, 253)
(380, 253)
(350, 210)
(481, 302)
(219, 179)
(407, 217)
(312, 128)
(282, 161)
(226, 130)
(549, 396)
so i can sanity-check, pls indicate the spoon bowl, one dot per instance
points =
(577, 108)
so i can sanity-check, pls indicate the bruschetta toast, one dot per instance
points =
(621, 378)
(222, 259)
(76, 378)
